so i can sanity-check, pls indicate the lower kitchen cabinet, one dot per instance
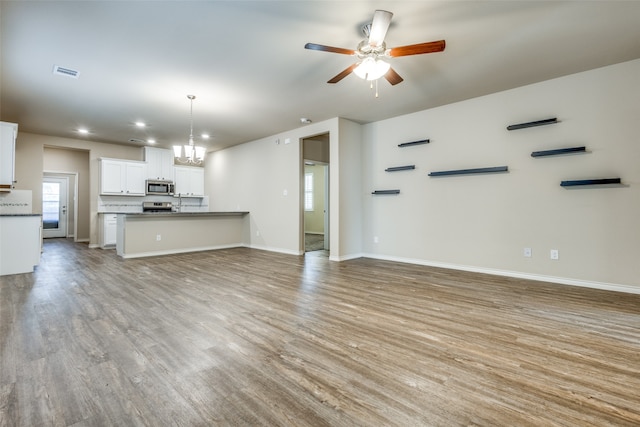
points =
(108, 228)
(20, 243)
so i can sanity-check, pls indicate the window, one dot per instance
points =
(308, 191)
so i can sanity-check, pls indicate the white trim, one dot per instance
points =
(181, 251)
(345, 257)
(53, 174)
(48, 176)
(551, 279)
(278, 250)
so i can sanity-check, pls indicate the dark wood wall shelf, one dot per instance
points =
(559, 152)
(400, 168)
(496, 169)
(533, 124)
(377, 192)
(410, 144)
(613, 182)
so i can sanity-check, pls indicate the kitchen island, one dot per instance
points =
(164, 233)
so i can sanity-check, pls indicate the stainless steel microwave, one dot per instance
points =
(159, 187)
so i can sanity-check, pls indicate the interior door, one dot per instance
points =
(54, 207)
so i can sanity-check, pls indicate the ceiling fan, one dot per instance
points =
(372, 50)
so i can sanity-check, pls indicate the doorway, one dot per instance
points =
(55, 202)
(315, 189)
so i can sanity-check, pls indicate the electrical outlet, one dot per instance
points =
(527, 252)
(554, 254)
(258, 233)
(375, 239)
(158, 237)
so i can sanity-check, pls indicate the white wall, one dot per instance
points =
(483, 222)
(254, 176)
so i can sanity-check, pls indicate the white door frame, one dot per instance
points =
(327, 196)
(70, 196)
(326, 207)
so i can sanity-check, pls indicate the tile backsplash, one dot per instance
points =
(16, 202)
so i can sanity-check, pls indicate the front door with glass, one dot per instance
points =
(54, 207)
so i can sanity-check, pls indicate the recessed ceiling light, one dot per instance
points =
(151, 141)
(205, 135)
(140, 124)
(305, 121)
(83, 131)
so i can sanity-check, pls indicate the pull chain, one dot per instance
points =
(371, 86)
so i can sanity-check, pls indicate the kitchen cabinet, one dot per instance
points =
(8, 135)
(189, 181)
(122, 177)
(20, 243)
(159, 163)
(108, 229)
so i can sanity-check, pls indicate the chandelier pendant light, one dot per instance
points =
(189, 154)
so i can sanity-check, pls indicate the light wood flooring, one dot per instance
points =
(242, 337)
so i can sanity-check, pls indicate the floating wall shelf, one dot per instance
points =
(559, 152)
(386, 192)
(471, 171)
(592, 182)
(409, 144)
(400, 168)
(533, 124)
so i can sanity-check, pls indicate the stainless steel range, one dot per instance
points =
(155, 207)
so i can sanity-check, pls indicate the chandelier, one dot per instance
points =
(189, 154)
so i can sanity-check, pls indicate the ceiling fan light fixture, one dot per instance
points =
(371, 68)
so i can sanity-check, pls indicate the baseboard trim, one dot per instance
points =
(344, 257)
(181, 251)
(278, 250)
(514, 274)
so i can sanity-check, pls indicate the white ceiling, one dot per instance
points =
(246, 63)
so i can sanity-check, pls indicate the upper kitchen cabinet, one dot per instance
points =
(189, 181)
(122, 177)
(8, 135)
(159, 163)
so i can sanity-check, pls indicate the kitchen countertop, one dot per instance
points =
(183, 214)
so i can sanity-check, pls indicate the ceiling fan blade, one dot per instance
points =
(417, 49)
(393, 77)
(379, 27)
(343, 74)
(314, 46)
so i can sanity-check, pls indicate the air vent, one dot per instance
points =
(138, 141)
(61, 71)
